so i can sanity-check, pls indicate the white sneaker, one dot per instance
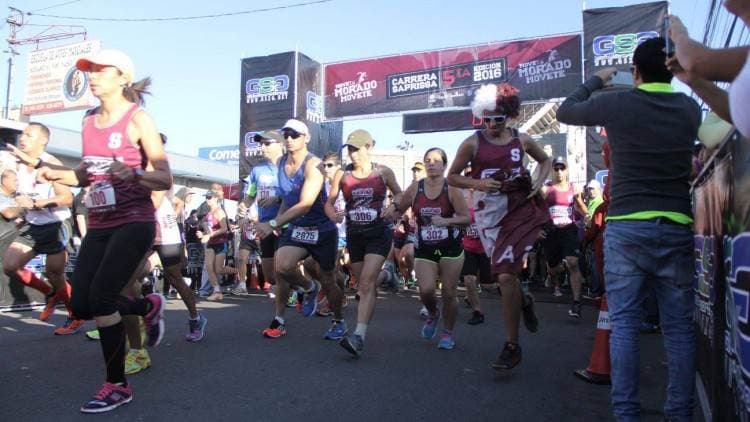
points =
(424, 313)
(240, 290)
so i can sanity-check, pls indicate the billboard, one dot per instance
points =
(228, 154)
(52, 81)
(542, 68)
(611, 34)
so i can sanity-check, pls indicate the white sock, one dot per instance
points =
(361, 330)
(280, 319)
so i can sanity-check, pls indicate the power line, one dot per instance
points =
(184, 18)
(54, 5)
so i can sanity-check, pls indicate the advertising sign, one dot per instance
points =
(54, 84)
(228, 154)
(611, 34)
(540, 68)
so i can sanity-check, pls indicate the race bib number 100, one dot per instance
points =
(101, 197)
(305, 235)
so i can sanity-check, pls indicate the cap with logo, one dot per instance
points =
(559, 160)
(268, 135)
(359, 138)
(296, 126)
(106, 57)
(418, 166)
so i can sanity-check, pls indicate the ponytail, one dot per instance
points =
(136, 91)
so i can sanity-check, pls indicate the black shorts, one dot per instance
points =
(219, 248)
(47, 239)
(399, 242)
(324, 251)
(453, 250)
(268, 246)
(248, 245)
(375, 240)
(477, 264)
(561, 242)
(169, 255)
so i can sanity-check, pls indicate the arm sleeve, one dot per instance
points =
(581, 110)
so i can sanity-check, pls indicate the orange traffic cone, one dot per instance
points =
(254, 277)
(599, 363)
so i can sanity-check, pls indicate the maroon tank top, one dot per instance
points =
(113, 202)
(424, 209)
(497, 161)
(560, 205)
(215, 225)
(364, 198)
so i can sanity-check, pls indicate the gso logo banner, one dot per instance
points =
(267, 89)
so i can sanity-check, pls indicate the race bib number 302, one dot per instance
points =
(305, 235)
(434, 234)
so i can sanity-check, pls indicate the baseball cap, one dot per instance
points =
(209, 194)
(594, 184)
(359, 138)
(418, 166)
(559, 160)
(296, 126)
(106, 57)
(268, 135)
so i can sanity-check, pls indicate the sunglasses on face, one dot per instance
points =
(291, 134)
(496, 119)
(559, 168)
(329, 165)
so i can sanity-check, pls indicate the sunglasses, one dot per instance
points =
(329, 165)
(559, 168)
(291, 134)
(497, 119)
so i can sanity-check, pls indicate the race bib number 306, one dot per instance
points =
(363, 215)
(305, 235)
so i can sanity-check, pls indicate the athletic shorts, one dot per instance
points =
(324, 251)
(268, 246)
(169, 255)
(399, 242)
(248, 245)
(560, 243)
(219, 248)
(376, 240)
(48, 239)
(436, 253)
(477, 264)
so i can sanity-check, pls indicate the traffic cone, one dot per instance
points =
(254, 277)
(599, 364)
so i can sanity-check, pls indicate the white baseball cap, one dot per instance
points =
(105, 57)
(594, 184)
(297, 126)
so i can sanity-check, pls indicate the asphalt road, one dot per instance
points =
(236, 374)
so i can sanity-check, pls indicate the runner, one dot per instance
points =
(509, 214)
(248, 246)
(476, 267)
(263, 187)
(214, 234)
(439, 210)
(310, 232)
(46, 229)
(369, 233)
(123, 160)
(561, 240)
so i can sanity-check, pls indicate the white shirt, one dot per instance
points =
(739, 98)
(28, 185)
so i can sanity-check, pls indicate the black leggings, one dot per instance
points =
(107, 260)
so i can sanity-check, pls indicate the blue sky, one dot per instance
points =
(195, 65)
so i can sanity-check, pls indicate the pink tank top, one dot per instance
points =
(112, 202)
(560, 205)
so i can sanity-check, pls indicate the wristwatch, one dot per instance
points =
(138, 173)
(273, 223)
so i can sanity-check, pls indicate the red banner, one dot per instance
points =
(541, 68)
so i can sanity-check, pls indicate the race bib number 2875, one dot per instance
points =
(305, 235)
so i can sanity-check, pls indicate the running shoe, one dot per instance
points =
(110, 397)
(430, 326)
(529, 316)
(216, 295)
(575, 310)
(324, 309)
(93, 334)
(310, 302)
(337, 330)
(71, 326)
(509, 357)
(240, 290)
(476, 318)
(292, 301)
(353, 343)
(424, 313)
(197, 329)
(154, 321)
(136, 361)
(446, 342)
(557, 292)
(49, 304)
(275, 330)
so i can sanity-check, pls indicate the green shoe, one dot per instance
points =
(292, 301)
(136, 361)
(92, 335)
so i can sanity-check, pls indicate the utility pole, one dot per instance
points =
(14, 21)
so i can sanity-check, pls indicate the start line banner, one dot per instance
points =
(541, 68)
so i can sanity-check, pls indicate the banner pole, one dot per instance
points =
(296, 80)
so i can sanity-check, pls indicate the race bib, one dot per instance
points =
(101, 197)
(488, 173)
(560, 215)
(363, 215)
(434, 234)
(264, 193)
(472, 231)
(305, 235)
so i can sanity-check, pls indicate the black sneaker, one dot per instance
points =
(353, 344)
(575, 310)
(108, 398)
(476, 318)
(509, 357)
(529, 317)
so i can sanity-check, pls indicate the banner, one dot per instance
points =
(541, 68)
(611, 34)
(228, 154)
(267, 91)
(52, 81)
